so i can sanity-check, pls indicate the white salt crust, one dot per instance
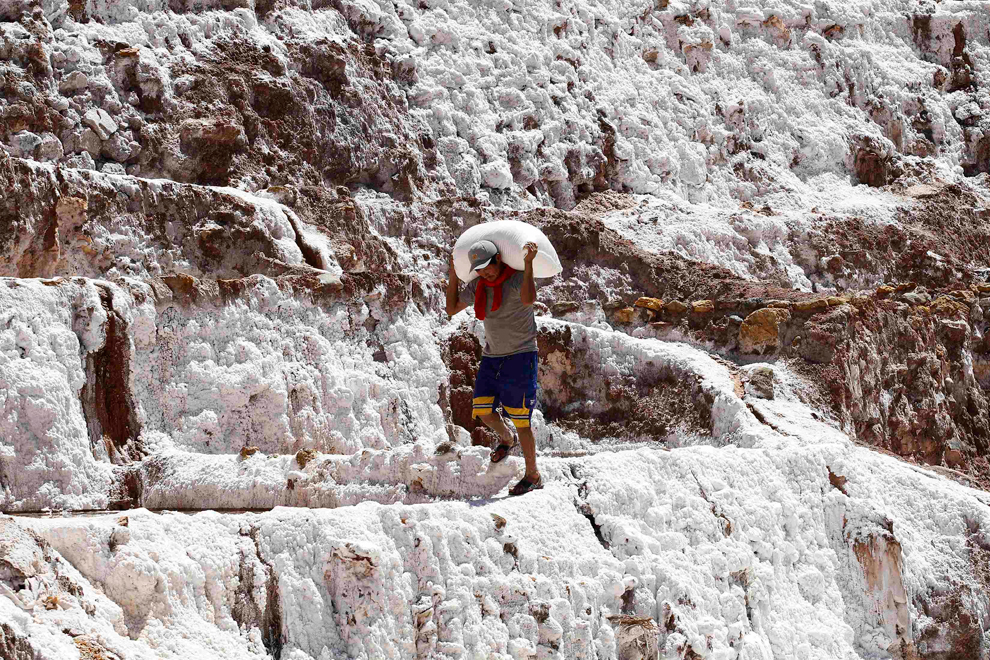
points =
(740, 540)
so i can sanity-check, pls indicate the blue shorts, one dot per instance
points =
(509, 381)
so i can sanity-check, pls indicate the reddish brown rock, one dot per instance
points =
(956, 331)
(304, 456)
(702, 307)
(760, 331)
(872, 168)
(650, 303)
(810, 305)
(947, 308)
(624, 315)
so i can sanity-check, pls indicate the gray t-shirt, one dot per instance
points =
(511, 328)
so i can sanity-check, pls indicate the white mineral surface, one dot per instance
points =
(232, 409)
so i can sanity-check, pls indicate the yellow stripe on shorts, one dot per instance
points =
(518, 416)
(482, 406)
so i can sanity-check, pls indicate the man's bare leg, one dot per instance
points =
(494, 421)
(526, 439)
(528, 442)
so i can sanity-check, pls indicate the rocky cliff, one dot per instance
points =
(235, 420)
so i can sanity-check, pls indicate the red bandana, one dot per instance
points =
(481, 296)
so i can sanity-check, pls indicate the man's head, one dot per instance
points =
(486, 260)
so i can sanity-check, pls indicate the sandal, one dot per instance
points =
(500, 452)
(526, 485)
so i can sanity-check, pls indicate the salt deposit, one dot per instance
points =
(734, 549)
(224, 236)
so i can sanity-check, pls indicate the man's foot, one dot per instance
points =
(501, 451)
(527, 485)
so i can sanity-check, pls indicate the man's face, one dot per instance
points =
(492, 270)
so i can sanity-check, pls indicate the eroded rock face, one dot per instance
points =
(75, 223)
(760, 331)
(273, 93)
(646, 402)
(278, 103)
(463, 357)
(941, 239)
(240, 214)
(902, 367)
(906, 381)
(648, 398)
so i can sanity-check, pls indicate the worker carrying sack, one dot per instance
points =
(509, 236)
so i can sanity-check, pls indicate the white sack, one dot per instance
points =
(509, 236)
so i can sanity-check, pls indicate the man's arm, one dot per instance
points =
(528, 291)
(453, 304)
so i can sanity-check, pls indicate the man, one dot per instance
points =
(503, 298)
